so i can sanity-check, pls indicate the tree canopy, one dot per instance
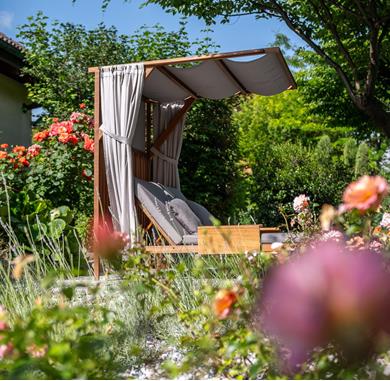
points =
(350, 37)
(59, 54)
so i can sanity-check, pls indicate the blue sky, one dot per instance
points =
(244, 33)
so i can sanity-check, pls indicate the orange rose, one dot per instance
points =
(88, 143)
(19, 150)
(4, 146)
(73, 139)
(3, 155)
(41, 136)
(62, 130)
(68, 138)
(24, 161)
(365, 194)
(223, 303)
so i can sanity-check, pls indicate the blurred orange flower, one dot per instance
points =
(89, 143)
(365, 194)
(68, 138)
(41, 136)
(223, 303)
(328, 214)
(19, 150)
(24, 161)
(20, 263)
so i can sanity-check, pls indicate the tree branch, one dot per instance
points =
(328, 20)
(345, 9)
(252, 13)
(301, 33)
(372, 71)
(363, 12)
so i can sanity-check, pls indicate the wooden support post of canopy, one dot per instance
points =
(97, 188)
(159, 141)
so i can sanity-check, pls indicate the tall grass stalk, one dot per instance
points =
(51, 257)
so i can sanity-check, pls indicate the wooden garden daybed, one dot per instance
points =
(140, 111)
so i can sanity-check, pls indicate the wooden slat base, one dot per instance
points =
(193, 249)
(172, 249)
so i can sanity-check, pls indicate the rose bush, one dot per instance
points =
(47, 187)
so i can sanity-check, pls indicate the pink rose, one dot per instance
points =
(364, 194)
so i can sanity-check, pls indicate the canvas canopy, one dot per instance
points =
(218, 79)
(140, 112)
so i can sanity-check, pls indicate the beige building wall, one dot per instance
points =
(15, 124)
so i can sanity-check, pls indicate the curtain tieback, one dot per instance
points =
(160, 155)
(118, 138)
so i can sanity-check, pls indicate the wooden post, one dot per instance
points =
(96, 168)
(159, 140)
(148, 127)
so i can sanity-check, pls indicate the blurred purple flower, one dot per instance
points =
(328, 295)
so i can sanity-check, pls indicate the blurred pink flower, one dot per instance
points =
(332, 235)
(37, 352)
(385, 223)
(375, 246)
(328, 295)
(364, 194)
(79, 117)
(3, 325)
(6, 350)
(33, 150)
(300, 203)
(108, 242)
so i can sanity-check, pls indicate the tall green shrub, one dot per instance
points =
(285, 170)
(362, 160)
(349, 153)
(324, 150)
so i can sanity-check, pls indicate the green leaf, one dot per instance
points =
(56, 227)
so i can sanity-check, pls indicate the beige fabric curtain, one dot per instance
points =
(121, 94)
(165, 159)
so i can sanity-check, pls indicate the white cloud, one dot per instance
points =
(6, 19)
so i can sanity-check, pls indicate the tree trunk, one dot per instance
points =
(377, 113)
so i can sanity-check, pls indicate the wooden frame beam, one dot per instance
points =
(172, 124)
(232, 77)
(215, 56)
(177, 81)
(150, 65)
